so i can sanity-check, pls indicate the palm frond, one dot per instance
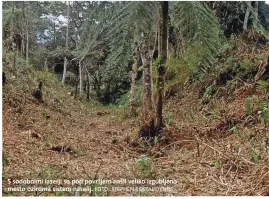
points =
(256, 21)
(200, 31)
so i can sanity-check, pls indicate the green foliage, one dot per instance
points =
(10, 17)
(200, 32)
(90, 40)
(102, 36)
(118, 65)
(264, 15)
(71, 78)
(246, 64)
(136, 17)
(95, 191)
(247, 69)
(262, 86)
(126, 27)
(145, 168)
(59, 193)
(236, 131)
(8, 193)
(256, 23)
(231, 61)
(38, 56)
(21, 65)
(49, 172)
(248, 106)
(177, 73)
(48, 78)
(209, 92)
(255, 156)
(169, 118)
(5, 160)
(265, 116)
(226, 47)
(216, 164)
(124, 101)
(156, 140)
(261, 105)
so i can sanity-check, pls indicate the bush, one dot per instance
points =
(144, 168)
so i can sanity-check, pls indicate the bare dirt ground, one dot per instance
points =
(44, 141)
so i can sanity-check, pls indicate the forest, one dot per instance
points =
(135, 98)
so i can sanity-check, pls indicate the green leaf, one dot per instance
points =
(265, 116)
(248, 106)
(255, 156)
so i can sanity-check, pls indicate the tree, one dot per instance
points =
(141, 21)
(138, 18)
(163, 31)
(27, 35)
(66, 45)
(12, 35)
(134, 82)
(104, 41)
(145, 50)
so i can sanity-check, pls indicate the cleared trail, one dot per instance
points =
(44, 141)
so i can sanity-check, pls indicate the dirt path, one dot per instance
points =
(40, 141)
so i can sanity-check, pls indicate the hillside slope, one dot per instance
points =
(209, 149)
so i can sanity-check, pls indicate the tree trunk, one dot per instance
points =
(76, 86)
(80, 78)
(151, 67)
(65, 69)
(245, 25)
(24, 27)
(181, 45)
(46, 66)
(151, 83)
(12, 36)
(147, 107)
(134, 83)
(88, 87)
(23, 46)
(27, 37)
(147, 130)
(97, 84)
(163, 31)
(54, 31)
(66, 45)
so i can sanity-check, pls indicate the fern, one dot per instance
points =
(200, 32)
(94, 30)
(145, 167)
(125, 30)
(131, 20)
(136, 17)
(262, 86)
(248, 106)
(262, 104)
(265, 116)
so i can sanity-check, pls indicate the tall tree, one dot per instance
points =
(80, 76)
(163, 44)
(134, 82)
(66, 45)
(145, 50)
(139, 19)
(12, 34)
(27, 35)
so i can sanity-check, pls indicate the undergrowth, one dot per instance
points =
(26, 79)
